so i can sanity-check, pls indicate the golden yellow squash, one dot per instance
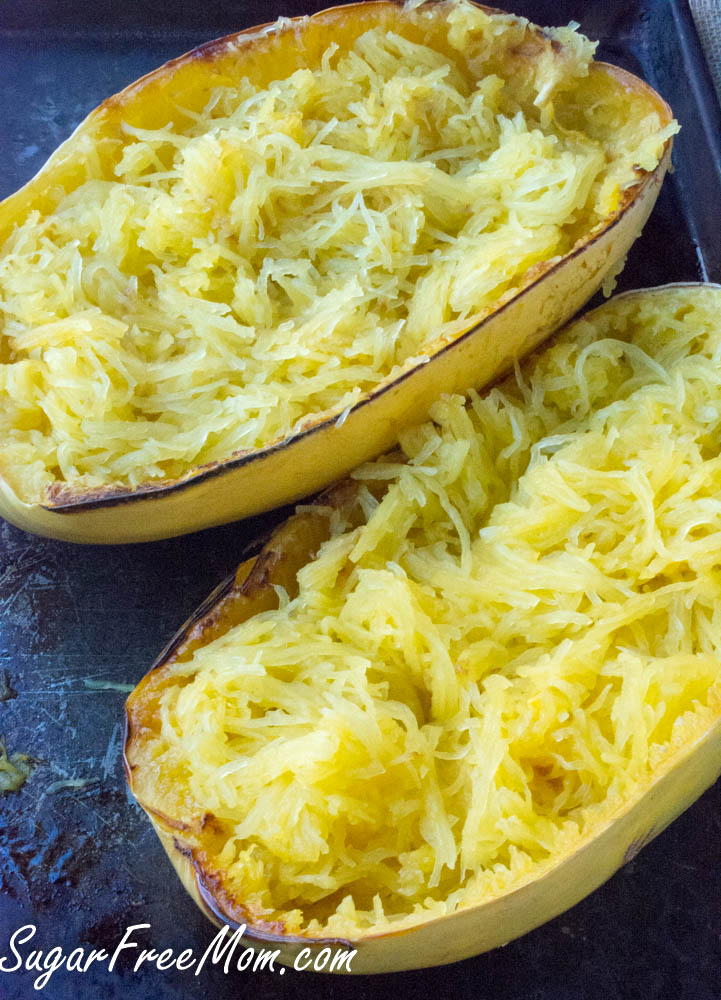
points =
(251, 269)
(453, 696)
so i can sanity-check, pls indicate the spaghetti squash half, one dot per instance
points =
(251, 269)
(453, 697)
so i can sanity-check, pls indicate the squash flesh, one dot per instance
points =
(487, 661)
(143, 315)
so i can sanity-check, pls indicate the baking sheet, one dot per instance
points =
(78, 624)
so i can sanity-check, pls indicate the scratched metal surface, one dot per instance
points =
(77, 624)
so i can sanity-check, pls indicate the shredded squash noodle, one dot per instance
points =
(280, 251)
(523, 626)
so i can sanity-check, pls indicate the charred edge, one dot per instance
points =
(206, 52)
(195, 632)
(255, 545)
(155, 814)
(209, 611)
(229, 911)
(125, 495)
(341, 494)
(217, 46)
(260, 576)
(210, 50)
(209, 820)
(182, 849)
(166, 821)
(63, 495)
(183, 633)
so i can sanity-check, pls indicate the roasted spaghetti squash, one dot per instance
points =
(240, 251)
(447, 701)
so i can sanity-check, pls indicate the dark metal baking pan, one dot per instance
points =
(77, 858)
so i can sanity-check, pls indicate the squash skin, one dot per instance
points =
(293, 467)
(685, 772)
